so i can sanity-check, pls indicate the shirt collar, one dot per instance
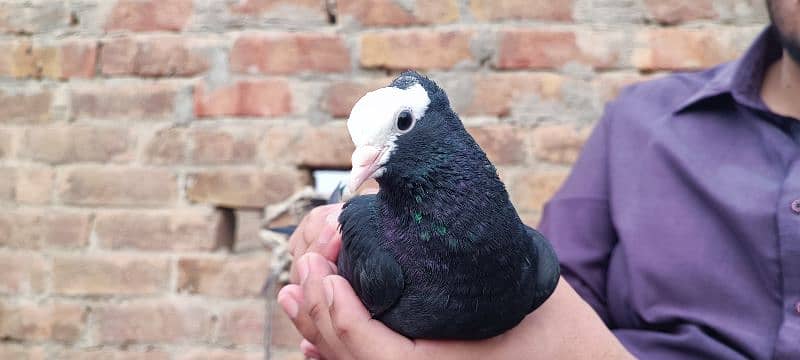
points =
(742, 78)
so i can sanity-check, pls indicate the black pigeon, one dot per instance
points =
(439, 252)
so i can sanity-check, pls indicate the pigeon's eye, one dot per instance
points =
(404, 120)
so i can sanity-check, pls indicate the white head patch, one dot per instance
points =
(373, 119)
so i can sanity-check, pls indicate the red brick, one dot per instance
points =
(327, 146)
(678, 11)
(245, 98)
(216, 354)
(217, 146)
(536, 49)
(21, 352)
(415, 49)
(77, 59)
(496, 94)
(32, 17)
(149, 15)
(112, 274)
(88, 185)
(493, 10)
(608, 86)
(530, 190)
(309, 8)
(64, 60)
(31, 229)
(29, 107)
(26, 185)
(503, 144)
(175, 230)
(392, 13)
(341, 96)
(289, 53)
(243, 324)
(167, 147)
(138, 101)
(63, 144)
(231, 276)
(242, 188)
(24, 273)
(111, 354)
(681, 49)
(559, 143)
(248, 225)
(29, 321)
(153, 56)
(153, 321)
(7, 139)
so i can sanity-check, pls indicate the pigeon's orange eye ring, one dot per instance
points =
(405, 121)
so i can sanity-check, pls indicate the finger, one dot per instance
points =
(308, 233)
(363, 336)
(330, 240)
(290, 297)
(309, 350)
(315, 306)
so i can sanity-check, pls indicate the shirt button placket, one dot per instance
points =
(796, 206)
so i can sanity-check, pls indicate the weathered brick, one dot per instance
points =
(153, 321)
(26, 185)
(681, 49)
(537, 49)
(530, 190)
(217, 146)
(26, 107)
(95, 185)
(245, 98)
(32, 17)
(392, 13)
(176, 230)
(153, 56)
(503, 144)
(7, 138)
(678, 11)
(242, 188)
(21, 352)
(29, 321)
(608, 86)
(521, 10)
(24, 273)
(289, 53)
(67, 59)
(216, 354)
(149, 15)
(76, 59)
(415, 49)
(34, 229)
(243, 324)
(167, 147)
(341, 96)
(230, 276)
(278, 9)
(112, 274)
(138, 101)
(111, 354)
(63, 144)
(496, 94)
(248, 225)
(559, 143)
(327, 146)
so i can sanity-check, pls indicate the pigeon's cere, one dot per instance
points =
(439, 252)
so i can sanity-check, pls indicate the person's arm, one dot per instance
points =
(336, 325)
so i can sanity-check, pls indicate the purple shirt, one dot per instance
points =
(680, 222)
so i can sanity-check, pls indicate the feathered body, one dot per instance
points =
(440, 252)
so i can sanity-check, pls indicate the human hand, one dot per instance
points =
(336, 325)
(317, 232)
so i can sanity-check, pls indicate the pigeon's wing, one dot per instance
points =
(548, 270)
(373, 272)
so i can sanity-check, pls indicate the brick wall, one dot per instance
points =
(138, 138)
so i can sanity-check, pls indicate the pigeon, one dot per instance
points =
(440, 251)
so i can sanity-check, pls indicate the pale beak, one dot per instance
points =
(365, 163)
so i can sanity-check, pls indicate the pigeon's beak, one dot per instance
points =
(366, 161)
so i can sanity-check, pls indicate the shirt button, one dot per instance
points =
(797, 308)
(796, 206)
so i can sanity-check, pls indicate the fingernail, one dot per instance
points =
(328, 287)
(304, 269)
(290, 307)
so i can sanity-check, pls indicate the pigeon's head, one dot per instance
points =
(412, 106)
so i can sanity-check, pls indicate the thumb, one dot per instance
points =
(364, 337)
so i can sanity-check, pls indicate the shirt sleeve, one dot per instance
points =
(578, 223)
